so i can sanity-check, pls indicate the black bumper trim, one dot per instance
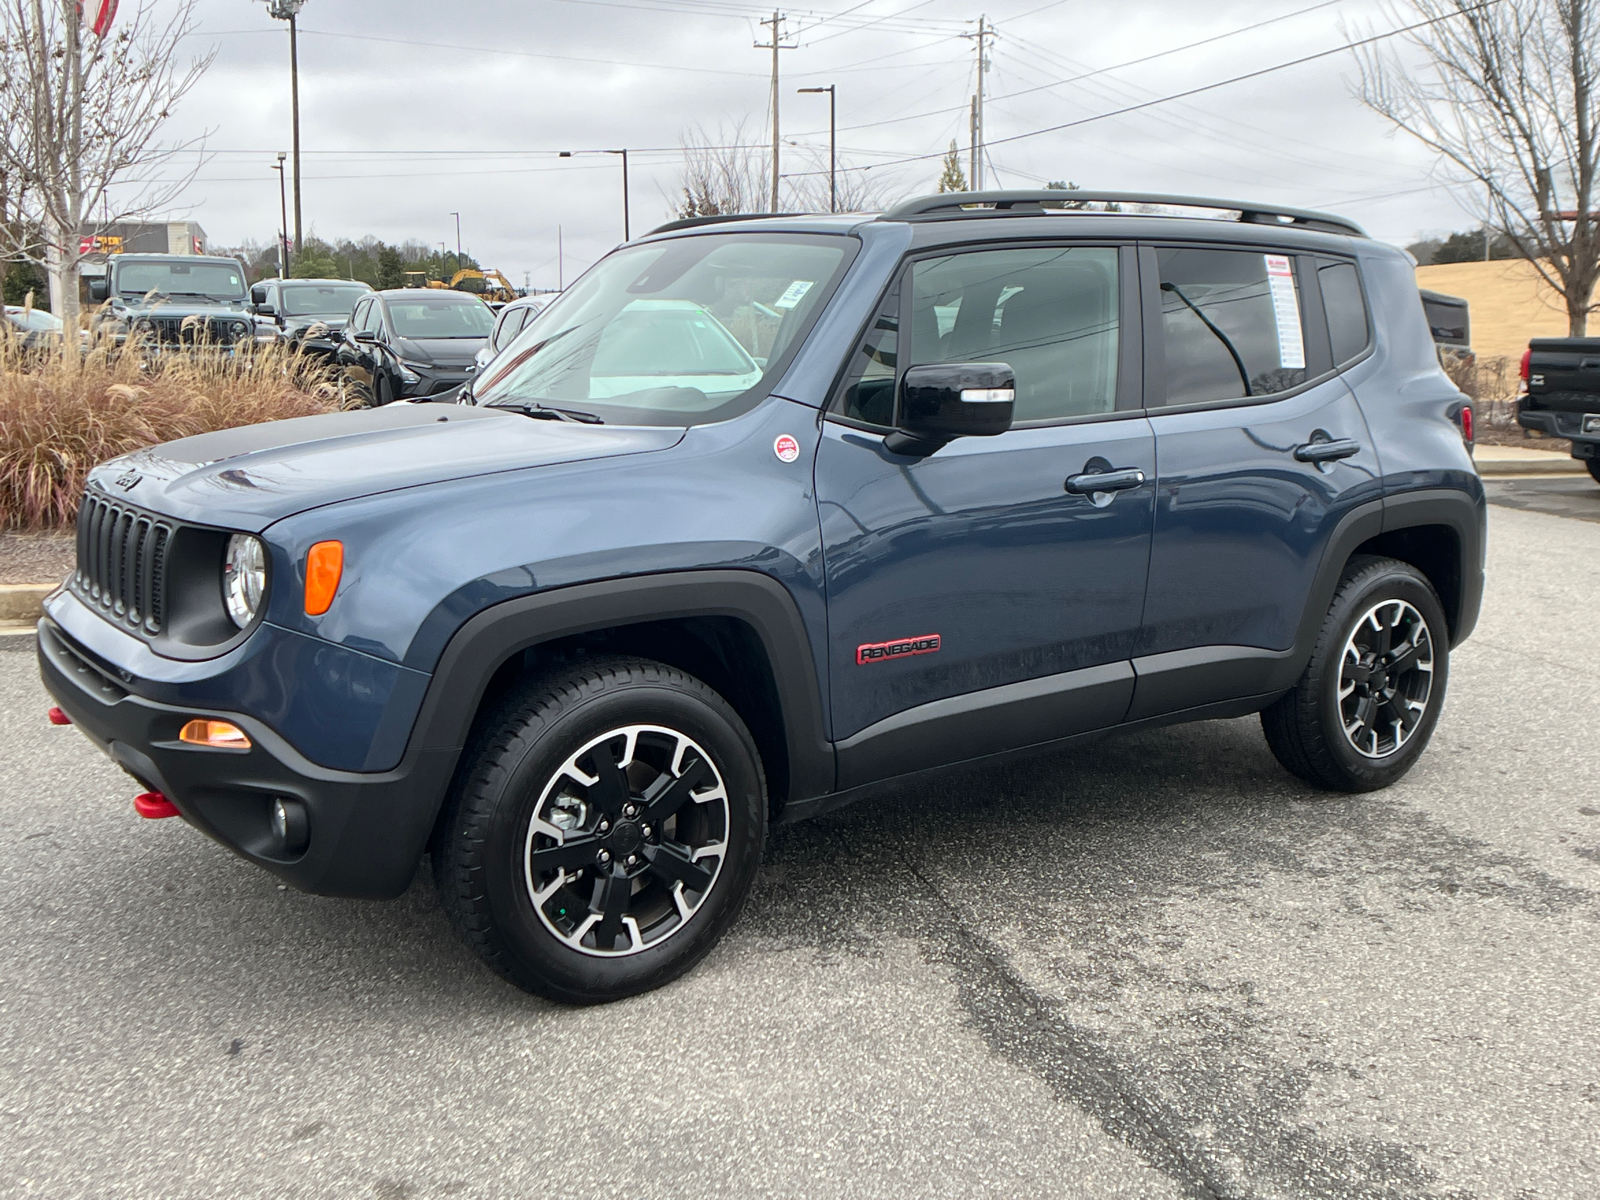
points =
(365, 828)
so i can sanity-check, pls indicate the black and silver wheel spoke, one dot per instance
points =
(1385, 678)
(627, 839)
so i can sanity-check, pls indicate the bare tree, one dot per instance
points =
(861, 189)
(1510, 100)
(82, 109)
(723, 173)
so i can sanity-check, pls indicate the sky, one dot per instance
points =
(412, 110)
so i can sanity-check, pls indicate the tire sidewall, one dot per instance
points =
(537, 958)
(1389, 581)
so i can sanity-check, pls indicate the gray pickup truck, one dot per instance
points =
(1561, 397)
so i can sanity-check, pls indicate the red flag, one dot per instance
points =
(105, 13)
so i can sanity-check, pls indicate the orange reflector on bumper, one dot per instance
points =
(222, 734)
(324, 566)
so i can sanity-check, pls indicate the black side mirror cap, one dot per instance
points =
(366, 335)
(942, 401)
(99, 289)
(263, 310)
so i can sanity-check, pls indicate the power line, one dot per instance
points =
(1209, 87)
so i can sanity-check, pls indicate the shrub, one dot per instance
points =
(60, 415)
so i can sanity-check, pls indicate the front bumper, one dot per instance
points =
(367, 830)
(433, 381)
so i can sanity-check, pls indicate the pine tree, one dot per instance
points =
(954, 178)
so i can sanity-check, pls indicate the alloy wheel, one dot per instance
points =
(628, 838)
(1385, 678)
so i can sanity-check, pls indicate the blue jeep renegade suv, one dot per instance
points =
(762, 514)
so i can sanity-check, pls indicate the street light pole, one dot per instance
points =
(833, 144)
(287, 10)
(627, 232)
(457, 216)
(283, 230)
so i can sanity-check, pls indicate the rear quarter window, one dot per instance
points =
(1346, 309)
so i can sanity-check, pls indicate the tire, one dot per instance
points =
(1336, 728)
(530, 804)
(1594, 468)
(383, 393)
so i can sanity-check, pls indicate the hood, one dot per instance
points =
(440, 352)
(178, 307)
(248, 478)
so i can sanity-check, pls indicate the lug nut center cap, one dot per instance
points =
(626, 837)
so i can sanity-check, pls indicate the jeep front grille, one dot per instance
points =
(122, 556)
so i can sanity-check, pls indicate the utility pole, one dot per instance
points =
(833, 145)
(775, 45)
(985, 32)
(457, 216)
(287, 10)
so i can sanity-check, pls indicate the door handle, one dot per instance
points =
(1327, 451)
(1120, 480)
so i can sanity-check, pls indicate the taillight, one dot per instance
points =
(1466, 424)
(1527, 358)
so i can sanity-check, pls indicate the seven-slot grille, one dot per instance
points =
(122, 555)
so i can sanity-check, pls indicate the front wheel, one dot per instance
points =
(1594, 468)
(1367, 702)
(605, 832)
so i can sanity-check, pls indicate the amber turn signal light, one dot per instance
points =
(324, 567)
(222, 734)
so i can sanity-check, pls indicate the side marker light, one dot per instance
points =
(324, 567)
(57, 717)
(222, 734)
(153, 806)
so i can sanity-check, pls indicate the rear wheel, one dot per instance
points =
(1366, 704)
(605, 832)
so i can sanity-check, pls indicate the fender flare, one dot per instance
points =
(486, 640)
(1454, 509)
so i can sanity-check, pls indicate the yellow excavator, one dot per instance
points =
(491, 285)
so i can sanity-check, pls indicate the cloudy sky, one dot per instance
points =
(414, 109)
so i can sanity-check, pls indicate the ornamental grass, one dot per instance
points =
(61, 414)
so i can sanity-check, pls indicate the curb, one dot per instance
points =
(22, 603)
(1560, 465)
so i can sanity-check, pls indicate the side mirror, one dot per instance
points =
(263, 310)
(366, 336)
(941, 401)
(99, 289)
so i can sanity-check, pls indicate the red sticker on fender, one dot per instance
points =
(928, 643)
(786, 448)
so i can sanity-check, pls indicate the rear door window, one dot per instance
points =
(1231, 324)
(1346, 308)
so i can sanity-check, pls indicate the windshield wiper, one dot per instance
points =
(546, 412)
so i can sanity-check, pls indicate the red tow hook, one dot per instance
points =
(153, 806)
(57, 717)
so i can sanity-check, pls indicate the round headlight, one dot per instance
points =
(244, 578)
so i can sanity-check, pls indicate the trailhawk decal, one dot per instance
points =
(928, 643)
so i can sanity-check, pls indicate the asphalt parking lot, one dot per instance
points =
(1157, 967)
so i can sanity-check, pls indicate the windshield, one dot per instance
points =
(672, 332)
(219, 281)
(34, 321)
(441, 317)
(323, 299)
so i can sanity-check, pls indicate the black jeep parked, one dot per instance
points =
(307, 315)
(175, 300)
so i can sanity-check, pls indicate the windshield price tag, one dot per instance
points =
(1286, 308)
(793, 294)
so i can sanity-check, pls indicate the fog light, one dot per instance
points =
(291, 829)
(223, 735)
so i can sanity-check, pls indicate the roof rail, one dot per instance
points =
(718, 218)
(967, 204)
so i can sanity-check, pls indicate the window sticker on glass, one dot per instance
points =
(1286, 308)
(793, 294)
